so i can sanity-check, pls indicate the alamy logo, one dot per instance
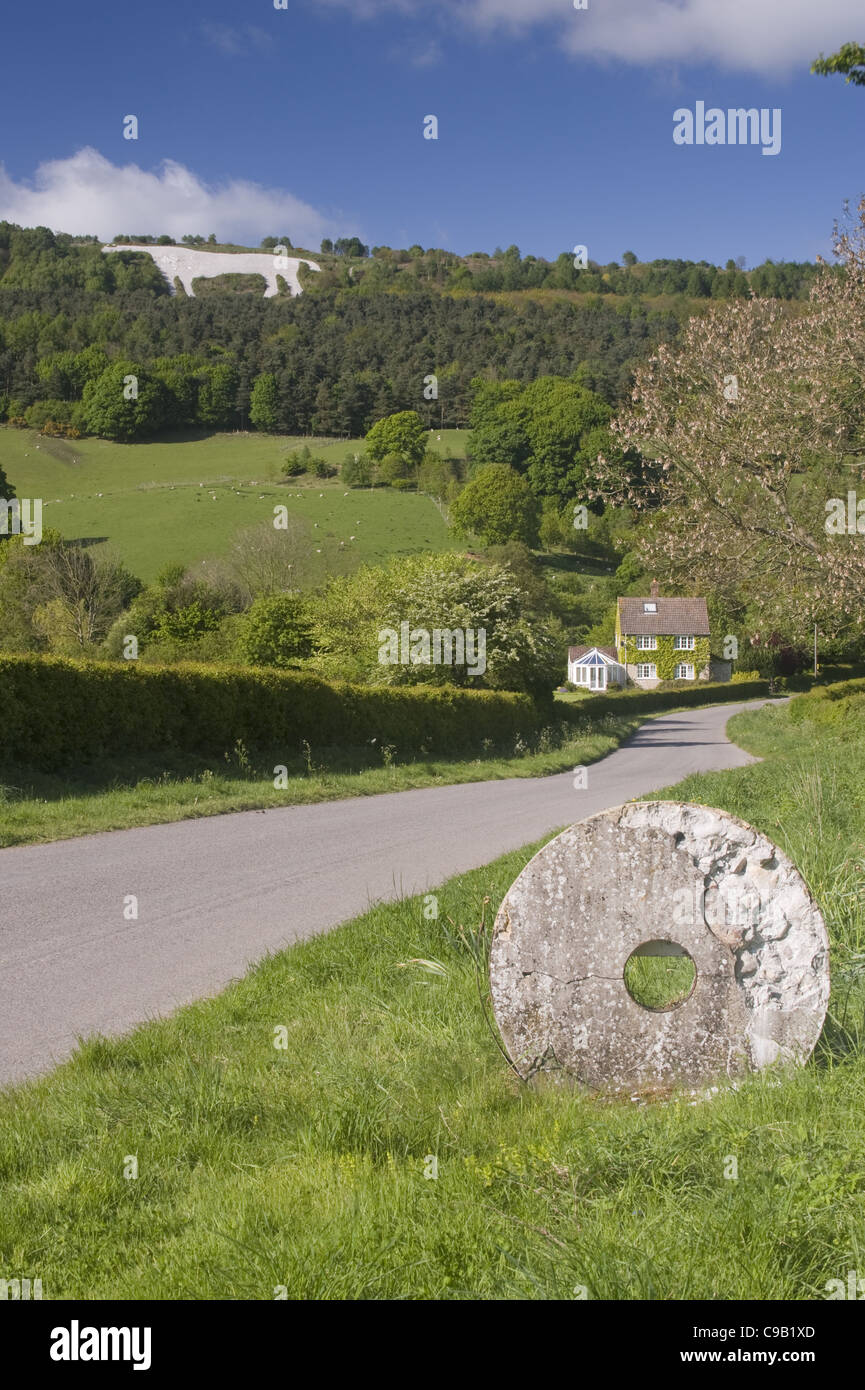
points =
(853, 1289)
(77, 1343)
(739, 126)
(22, 517)
(443, 646)
(845, 519)
(17, 1290)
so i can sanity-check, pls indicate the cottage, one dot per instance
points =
(665, 639)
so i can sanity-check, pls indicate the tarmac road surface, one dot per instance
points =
(216, 894)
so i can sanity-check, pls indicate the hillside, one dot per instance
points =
(184, 501)
(360, 342)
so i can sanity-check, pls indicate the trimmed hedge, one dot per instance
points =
(56, 712)
(651, 701)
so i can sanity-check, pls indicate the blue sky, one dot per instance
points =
(555, 126)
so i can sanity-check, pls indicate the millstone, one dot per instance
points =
(658, 878)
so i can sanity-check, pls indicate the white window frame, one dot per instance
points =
(647, 644)
(684, 644)
(684, 671)
(650, 607)
(647, 670)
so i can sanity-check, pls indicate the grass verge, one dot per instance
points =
(36, 807)
(340, 1123)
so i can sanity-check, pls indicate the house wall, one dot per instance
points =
(666, 656)
(644, 682)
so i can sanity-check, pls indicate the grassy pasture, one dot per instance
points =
(181, 500)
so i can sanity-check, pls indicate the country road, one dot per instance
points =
(215, 894)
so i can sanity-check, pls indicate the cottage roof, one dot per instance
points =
(672, 617)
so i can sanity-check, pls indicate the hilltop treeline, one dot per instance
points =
(36, 258)
(342, 358)
(361, 343)
(510, 271)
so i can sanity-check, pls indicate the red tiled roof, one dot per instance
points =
(676, 617)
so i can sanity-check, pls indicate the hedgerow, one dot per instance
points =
(629, 702)
(56, 712)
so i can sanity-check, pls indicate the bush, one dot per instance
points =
(54, 417)
(303, 461)
(393, 471)
(276, 631)
(357, 471)
(58, 713)
(739, 676)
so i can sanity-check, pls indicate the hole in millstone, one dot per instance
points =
(660, 975)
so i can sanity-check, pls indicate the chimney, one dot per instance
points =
(653, 592)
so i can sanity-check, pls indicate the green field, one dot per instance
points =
(386, 1151)
(182, 500)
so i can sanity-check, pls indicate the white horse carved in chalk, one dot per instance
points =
(188, 265)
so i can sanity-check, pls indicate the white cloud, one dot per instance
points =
(233, 42)
(87, 193)
(764, 36)
(427, 56)
(419, 52)
(370, 9)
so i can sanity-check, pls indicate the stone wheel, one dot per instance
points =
(658, 878)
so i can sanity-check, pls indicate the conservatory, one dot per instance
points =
(595, 668)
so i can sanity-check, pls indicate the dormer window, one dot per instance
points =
(650, 608)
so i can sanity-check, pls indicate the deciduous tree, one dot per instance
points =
(497, 505)
(755, 421)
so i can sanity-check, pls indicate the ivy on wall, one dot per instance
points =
(667, 657)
